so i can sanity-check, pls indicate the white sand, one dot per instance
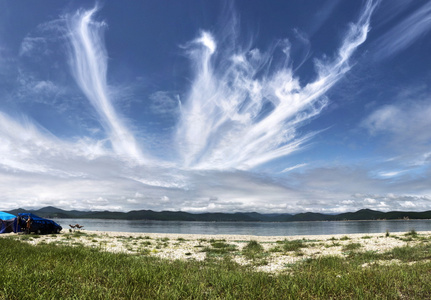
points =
(190, 246)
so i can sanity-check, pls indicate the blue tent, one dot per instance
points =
(6, 216)
(38, 225)
(6, 222)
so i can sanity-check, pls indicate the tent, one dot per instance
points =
(38, 225)
(7, 222)
(11, 223)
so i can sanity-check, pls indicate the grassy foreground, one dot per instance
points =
(62, 272)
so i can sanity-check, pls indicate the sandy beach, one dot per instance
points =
(274, 259)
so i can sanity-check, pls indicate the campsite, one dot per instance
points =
(28, 223)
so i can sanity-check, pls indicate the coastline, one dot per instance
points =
(274, 256)
(241, 237)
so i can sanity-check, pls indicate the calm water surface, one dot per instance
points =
(250, 228)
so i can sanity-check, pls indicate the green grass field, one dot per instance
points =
(62, 272)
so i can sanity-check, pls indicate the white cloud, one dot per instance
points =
(293, 168)
(164, 103)
(370, 201)
(403, 35)
(408, 204)
(242, 109)
(233, 118)
(45, 86)
(164, 199)
(33, 44)
(408, 120)
(89, 67)
(388, 174)
(402, 128)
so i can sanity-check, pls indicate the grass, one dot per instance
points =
(253, 250)
(351, 247)
(420, 252)
(295, 245)
(50, 271)
(219, 248)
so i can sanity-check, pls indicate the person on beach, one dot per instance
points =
(28, 225)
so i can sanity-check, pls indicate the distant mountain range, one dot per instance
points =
(363, 214)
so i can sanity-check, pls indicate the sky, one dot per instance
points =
(216, 106)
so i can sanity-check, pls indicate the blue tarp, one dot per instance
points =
(25, 216)
(38, 224)
(6, 216)
(6, 222)
(11, 223)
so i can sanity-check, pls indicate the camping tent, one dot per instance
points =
(38, 225)
(7, 221)
(11, 223)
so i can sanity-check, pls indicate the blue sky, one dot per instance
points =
(204, 106)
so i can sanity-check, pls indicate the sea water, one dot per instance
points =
(250, 228)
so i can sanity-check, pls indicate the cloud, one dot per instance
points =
(403, 35)
(88, 59)
(38, 169)
(29, 148)
(340, 189)
(402, 130)
(407, 122)
(233, 117)
(164, 103)
(293, 168)
(38, 91)
(244, 108)
(29, 44)
(38, 43)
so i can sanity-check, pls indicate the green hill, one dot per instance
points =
(363, 214)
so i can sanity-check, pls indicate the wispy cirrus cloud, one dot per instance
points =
(405, 33)
(89, 63)
(244, 109)
(29, 148)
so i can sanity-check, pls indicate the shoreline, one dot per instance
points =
(275, 254)
(241, 237)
